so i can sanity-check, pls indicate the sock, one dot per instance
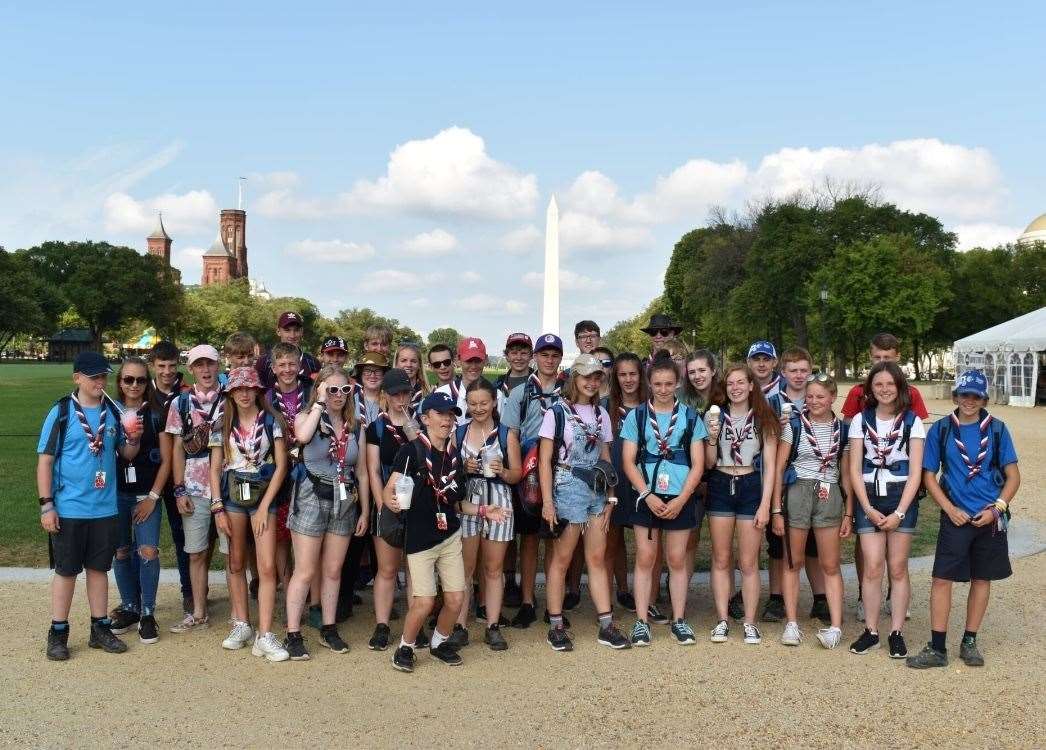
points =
(873, 632)
(895, 632)
(408, 645)
(605, 619)
(437, 638)
(937, 640)
(778, 597)
(60, 625)
(495, 626)
(820, 597)
(293, 632)
(556, 621)
(100, 620)
(971, 634)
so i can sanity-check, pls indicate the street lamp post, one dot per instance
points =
(824, 329)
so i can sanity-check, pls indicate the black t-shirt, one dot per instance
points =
(147, 463)
(422, 533)
(388, 446)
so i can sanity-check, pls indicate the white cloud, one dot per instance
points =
(569, 281)
(523, 240)
(418, 302)
(188, 261)
(331, 251)
(985, 235)
(689, 191)
(578, 231)
(394, 280)
(278, 180)
(488, 303)
(189, 211)
(471, 277)
(431, 244)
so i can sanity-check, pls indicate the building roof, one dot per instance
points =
(71, 336)
(1039, 225)
(159, 233)
(217, 248)
(1024, 333)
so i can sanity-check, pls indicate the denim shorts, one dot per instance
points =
(743, 503)
(231, 507)
(574, 500)
(886, 506)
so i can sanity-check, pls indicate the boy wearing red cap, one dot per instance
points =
(472, 353)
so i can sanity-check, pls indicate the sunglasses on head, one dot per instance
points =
(818, 377)
(606, 362)
(131, 380)
(441, 363)
(334, 390)
(663, 332)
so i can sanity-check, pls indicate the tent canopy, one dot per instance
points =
(1025, 333)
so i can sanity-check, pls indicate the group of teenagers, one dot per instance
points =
(317, 480)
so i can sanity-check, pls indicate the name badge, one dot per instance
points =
(99, 480)
(343, 492)
(662, 483)
(823, 490)
(130, 475)
(880, 485)
(245, 493)
(441, 521)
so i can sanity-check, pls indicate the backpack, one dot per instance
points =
(61, 425)
(994, 441)
(529, 395)
(795, 422)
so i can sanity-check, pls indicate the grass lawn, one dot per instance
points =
(27, 392)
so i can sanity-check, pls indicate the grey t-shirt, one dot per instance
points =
(317, 458)
(535, 411)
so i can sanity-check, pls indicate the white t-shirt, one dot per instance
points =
(896, 452)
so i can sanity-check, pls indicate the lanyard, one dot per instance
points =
(662, 442)
(973, 467)
(94, 441)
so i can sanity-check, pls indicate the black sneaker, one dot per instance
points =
(459, 638)
(656, 616)
(102, 637)
(295, 646)
(123, 620)
(422, 640)
(447, 654)
(736, 607)
(403, 659)
(57, 644)
(868, 641)
(898, 648)
(330, 638)
(819, 611)
(559, 640)
(571, 600)
(566, 620)
(148, 632)
(380, 640)
(525, 617)
(611, 636)
(493, 638)
(928, 658)
(513, 596)
(774, 611)
(969, 653)
(626, 600)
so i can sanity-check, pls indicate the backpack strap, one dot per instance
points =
(503, 441)
(560, 426)
(459, 434)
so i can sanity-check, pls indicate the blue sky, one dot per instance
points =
(402, 159)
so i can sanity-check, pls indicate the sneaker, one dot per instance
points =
(684, 633)
(656, 616)
(868, 641)
(123, 620)
(525, 617)
(752, 635)
(380, 640)
(898, 648)
(829, 637)
(819, 611)
(612, 637)
(736, 607)
(240, 635)
(571, 600)
(548, 620)
(57, 644)
(792, 635)
(492, 637)
(295, 646)
(269, 646)
(330, 638)
(774, 611)
(969, 653)
(721, 632)
(559, 640)
(513, 596)
(148, 632)
(640, 635)
(459, 638)
(189, 623)
(102, 637)
(626, 600)
(860, 611)
(421, 640)
(315, 616)
(403, 659)
(927, 658)
(447, 654)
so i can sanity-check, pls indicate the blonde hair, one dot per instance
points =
(423, 371)
(348, 411)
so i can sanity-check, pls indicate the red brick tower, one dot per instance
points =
(233, 228)
(217, 264)
(159, 242)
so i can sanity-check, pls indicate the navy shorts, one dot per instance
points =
(743, 503)
(689, 517)
(970, 552)
(886, 506)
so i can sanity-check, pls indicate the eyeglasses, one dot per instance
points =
(587, 336)
(818, 377)
(662, 332)
(129, 380)
(334, 390)
(441, 364)
(372, 371)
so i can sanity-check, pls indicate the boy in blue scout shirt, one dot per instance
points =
(975, 456)
(76, 478)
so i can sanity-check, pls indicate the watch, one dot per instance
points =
(46, 500)
(899, 514)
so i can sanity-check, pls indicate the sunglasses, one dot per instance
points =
(334, 390)
(663, 332)
(818, 377)
(441, 364)
(130, 380)
(606, 362)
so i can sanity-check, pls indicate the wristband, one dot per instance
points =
(179, 490)
(643, 495)
(153, 495)
(776, 512)
(611, 499)
(217, 511)
(1001, 505)
(46, 508)
(46, 500)
(482, 511)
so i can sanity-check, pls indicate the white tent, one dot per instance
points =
(1012, 355)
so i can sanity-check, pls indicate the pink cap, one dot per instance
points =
(471, 348)
(202, 351)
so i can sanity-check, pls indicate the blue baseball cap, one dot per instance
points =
(440, 402)
(971, 383)
(548, 341)
(762, 347)
(91, 364)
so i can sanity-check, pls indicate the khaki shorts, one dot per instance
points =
(444, 559)
(806, 511)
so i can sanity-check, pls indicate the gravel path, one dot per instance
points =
(186, 691)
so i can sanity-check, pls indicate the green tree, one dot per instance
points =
(1029, 275)
(31, 306)
(626, 335)
(448, 336)
(351, 323)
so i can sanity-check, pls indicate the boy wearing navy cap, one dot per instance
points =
(974, 453)
(76, 480)
(762, 359)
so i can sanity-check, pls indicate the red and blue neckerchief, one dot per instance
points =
(834, 445)
(445, 483)
(775, 382)
(663, 448)
(973, 466)
(338, 441)
(537, 393)
(392, 429)
(94, 441)
(592, 433)
(737, 437)
(883, 444)
(248, 439)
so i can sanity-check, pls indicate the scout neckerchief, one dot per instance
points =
(165, 398)
(287, 404)
(338, 441)
(592, 432)
(248, 439)
(825, 457)
(663, 448)
(775, 382)
(443, 484)
(973, 467)
(94, 442)
(455, 388)
(546, 399)
(417, 395)
(392, 429)
(883, 444)
(737, 437)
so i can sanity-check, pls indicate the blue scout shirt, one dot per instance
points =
(971, 495)
(676, 471)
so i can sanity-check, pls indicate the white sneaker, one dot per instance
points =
(829, 637)
(752, 635)
(239, 636)
(269, 646)
(792, 635)
(721, 632)
(860, 611)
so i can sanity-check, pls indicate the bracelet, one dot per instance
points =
(46, 500)
(319, 404)
(46, 508)
(217, 511)
(153, 495)
(482, 513)
(776, 512)
(611, 500)
(179, 490)
(133, 442)
(1001, 505)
